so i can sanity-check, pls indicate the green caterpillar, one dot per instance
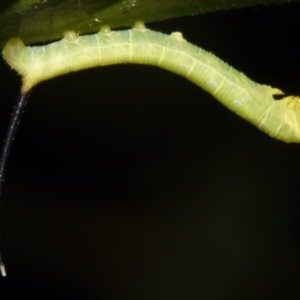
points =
(252, 101)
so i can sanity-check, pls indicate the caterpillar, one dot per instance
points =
(252, 101)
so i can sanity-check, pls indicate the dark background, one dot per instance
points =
(129, 182)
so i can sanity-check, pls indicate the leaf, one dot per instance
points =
(45, 20)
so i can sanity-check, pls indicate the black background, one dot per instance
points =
(129, 182)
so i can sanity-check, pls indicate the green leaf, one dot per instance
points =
(45, 20)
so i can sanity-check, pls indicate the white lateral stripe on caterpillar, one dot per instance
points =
(250, 100)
